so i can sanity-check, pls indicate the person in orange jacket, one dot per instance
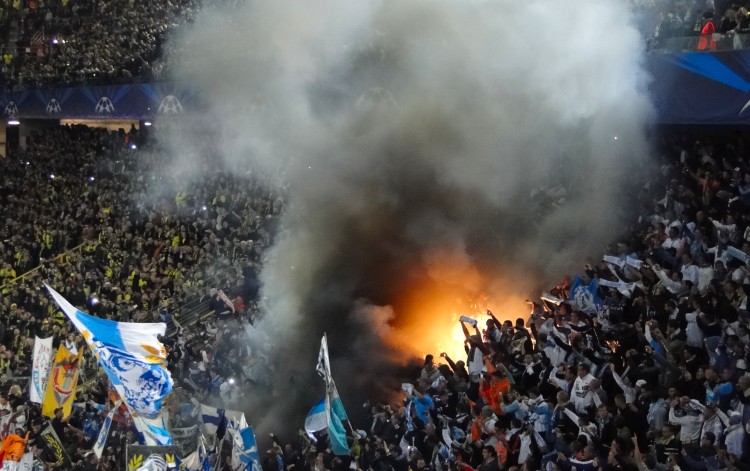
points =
(12, 450)
(497, 381)
(707, 41)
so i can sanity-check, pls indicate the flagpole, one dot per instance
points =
(218, 452)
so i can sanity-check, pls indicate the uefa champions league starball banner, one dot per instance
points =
(135, 101)
(685, 88)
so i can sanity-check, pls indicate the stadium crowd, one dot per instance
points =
(62, 42)
(643, 367)
(98, 216)
(641, 362)
(694, 24)
(94, 42)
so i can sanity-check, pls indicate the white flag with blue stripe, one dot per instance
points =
(213, 416)
(130, 353)
(101, 440)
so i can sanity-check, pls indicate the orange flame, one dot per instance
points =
(427, 314)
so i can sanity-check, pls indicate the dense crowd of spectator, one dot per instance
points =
(650, 372)
(694, 24)
(655, 377)
(120, 41)
(97, 215)
(92, 41)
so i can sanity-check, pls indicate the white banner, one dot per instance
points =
(40, 369)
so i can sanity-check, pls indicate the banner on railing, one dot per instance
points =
(135, 101)
(686, 88)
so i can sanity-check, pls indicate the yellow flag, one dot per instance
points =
(63, 378)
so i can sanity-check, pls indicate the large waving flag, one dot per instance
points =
(334, 408)
(41, 363)
(130, 353)
(61, 386)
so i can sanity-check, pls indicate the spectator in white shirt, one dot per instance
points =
(689, 270)
(694, 333)
(582, 397)
(735, 434)
(673, 284)
(690, 423)
(720, 253)
(728, 231)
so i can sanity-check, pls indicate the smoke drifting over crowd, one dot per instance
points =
(431, 150)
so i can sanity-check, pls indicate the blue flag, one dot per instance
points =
(584, 297)
(250, 456)
(336, 431)
(316, 419)
(152, 432)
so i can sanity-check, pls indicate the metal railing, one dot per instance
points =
(58, 258)
(716, 42)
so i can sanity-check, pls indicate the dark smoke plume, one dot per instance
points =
(494, 134)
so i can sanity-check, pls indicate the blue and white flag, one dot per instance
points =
(153, 432)
(245, 450)
(104, 432)
(334, 408)
(408, 415)
(316, 419)
(130, 353)
(213, 416)
(584, 297)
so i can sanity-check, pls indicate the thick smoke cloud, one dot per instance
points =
(495, 135)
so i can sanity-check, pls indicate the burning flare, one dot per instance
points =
(427, 314)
